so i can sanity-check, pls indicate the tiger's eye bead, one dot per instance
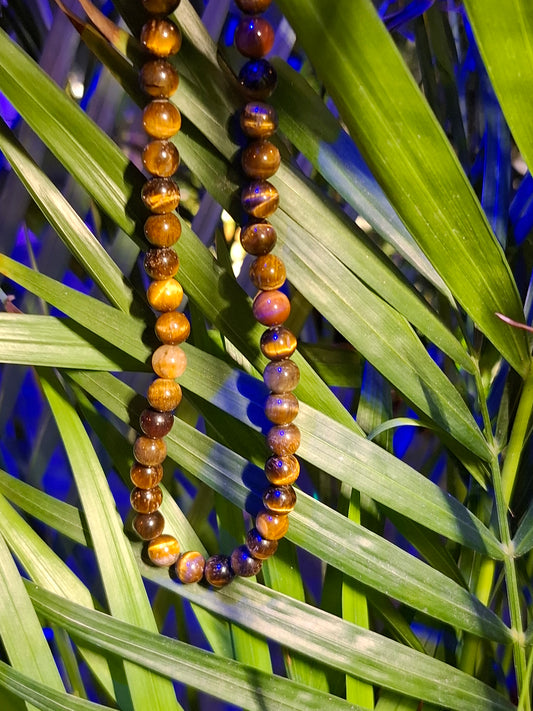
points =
(190, 567)
(148, 526)
(161, 158)
(161, 37)
(260, 159)
(149, 451)
(160, 7)
(165, 295)
(281, 376)
(156, 424)
(172, 328)
(259, 198)
(146, 501)
(258, 238)
(283, 439)
(164, 395)
(268, 272)
(253, 7)
(278, 343)
(259, 77)
(260, 548)
(271, 525)
(254, 37)
(244, 564)
(271, 308)
(146, 477)
(259, 120)
(163, 551)
(161, 263)
(161, 119)
(169, 361)
(218, 571)
(159, 79)
(162, 230)
(281, 408)
(160, 195)
(282, 470)
(279, 499)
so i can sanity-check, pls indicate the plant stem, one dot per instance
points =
(517, 439)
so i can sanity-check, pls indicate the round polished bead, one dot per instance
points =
(259, 77)
(190, 567)
(259, 120)
(146, 477)
(165, 295)
(267, 272)
(218, 571)
(161, 37)
(146, 501)
(161, 263)
(162, 230)
(278, 343)
(149, 526)
(281, 376)
(169, 361)
(163, 551)
(160, 195)
(272, 526)
(283, 439)
(260, 159)
(149, 451)
(160, 7)
(164, 395)
(279, 499)
(159, 79)
(282, 470)
(281, 408)
(271, 308)
(259, 198)
(243, 563)
(156, 424)
(161, 158)
(161, 119)
(254, 37)
(172, 328)
(258, 238)
(253, 7)
(260, 548)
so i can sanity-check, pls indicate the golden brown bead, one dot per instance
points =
(267, 272)
(282, 470)
(260, 159)
(159, 79)
(259, 120)
(161, 263)
(254, 37)
(146, 477)
(258, 238)
(149, 526)
(161, 37)
(161, 119)
(163, 551)
(279, 499)
(169, 361)
(218, 571)
(283, 439)
(259, 198)
(160, 7)
(156, 424)
(278, 343)
(272, 526)
(146, 501)
(165, 295)
(164, 395)
(161, 158)
(253, 7)
(149, 451)
(243, 563)
(281, 376)
(190, 567)
(162, 230)
(160, 195)
(271, 308)
(281, 408)
(260, 547)
(172, 328)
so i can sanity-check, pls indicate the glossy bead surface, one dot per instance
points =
(283, 439)
(172, 328)
(218, 571)
(267, 272)
(279, 499)
(158, 78)
(161, 37)
(190, 567)
(281, 376)
(156, 424)
(260, 159)
(149, 526)
(161, 119)
(254, 37)
(164, 395)
(271, 308)
(243, 563)
(146, 501)
(169, 361)
(149, 451)
(146, 477)
(160, 7)
(258, 238)
(278, 343)
(281, 408)
(161, 158)
(260, 548)
(253, 7)
(259, 120)
(259, 77)
(162, 230)
(282, 470)
(259, 198)
(165, 295)
(160, 195)
(161, 263)
(271, 525)
(163, 551)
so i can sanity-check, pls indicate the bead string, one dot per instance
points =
(254, 38)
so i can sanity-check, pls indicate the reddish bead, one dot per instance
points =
(279, 499)
(259, 120)
(161, 158)
(169, 361)
(149, 451)
(243, 563)
(161, 37)
(260, 547)
(146, 477)
(281, 376)
(218, 571)
(267, 272)
(190, 567)
(161, 119)
(163, 551)
(162, 230)
(172, 328)
(271, 525)
(156, 424)
(271, 308)
(253, 7)
(158, 78)
(283, 439)
(260, 198)
(146, 501)
(281, 408)
(165, 295)
(278, 343)
(164, 394)
(149, 526)
(282, 470)
(254, 37)
(160, 195)
(160, 8)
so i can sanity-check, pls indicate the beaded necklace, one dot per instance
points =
(260, 159)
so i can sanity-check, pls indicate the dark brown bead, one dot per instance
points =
(260, 548)
(162, 230)
(146, 477)
(281, 376)
(159, 79)
(218, 571)
(165, 295)
(278, 343)
(271, 525)
(161, 263)
(161, 37)
(149, 526)
(149, 451)
(160, 195)
(254, 37)
(190, 567)
(283, 439)
(259, 120)
(243, 563)
(169, 361)
(161, 158)
(146, 501)
(160, 8)
(279, 499)
(156, 424)
(281, 408)
(172, 328)
(258, 238)
(282, 470)
(161, 119)
(267, 272)
(163, 551)
(164, 395)
(271, 308)
(260, 160)
(259, 198)
(258, 77)
(253, 7)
